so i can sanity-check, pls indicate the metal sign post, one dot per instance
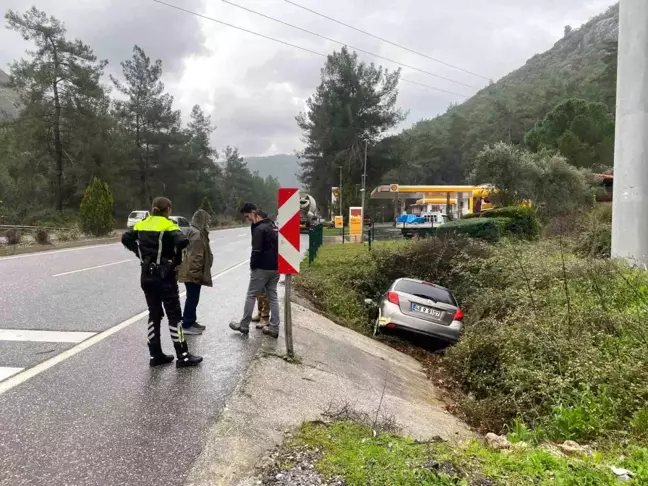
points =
(289, 252)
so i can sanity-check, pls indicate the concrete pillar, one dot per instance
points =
(460, 203)
(630, 200)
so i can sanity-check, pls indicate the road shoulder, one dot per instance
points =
(337, 367)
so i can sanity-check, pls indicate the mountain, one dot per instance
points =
(9, 104)
(441, 150)
(284, 167)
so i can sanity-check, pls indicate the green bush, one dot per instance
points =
(485, 229)
(556, 344)
(471, 216)
(522, 222)
(594, 233)
(50, 218)
(96, 212)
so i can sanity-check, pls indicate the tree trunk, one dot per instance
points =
(58, 146)
(142, 168)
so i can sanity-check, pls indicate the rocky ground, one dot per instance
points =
(292, 466)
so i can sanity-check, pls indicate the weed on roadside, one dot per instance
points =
(351, 450)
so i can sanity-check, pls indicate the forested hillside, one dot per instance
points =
(283, 167)
(442, 150)
(70, 129)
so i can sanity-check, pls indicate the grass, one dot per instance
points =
(334, 231)
(352, 450)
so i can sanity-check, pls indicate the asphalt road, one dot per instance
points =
(78, 403)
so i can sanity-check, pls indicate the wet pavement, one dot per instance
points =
(102, 416)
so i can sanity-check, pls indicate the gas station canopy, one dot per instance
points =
(397, 192)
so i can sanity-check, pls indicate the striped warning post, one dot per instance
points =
(289, 236)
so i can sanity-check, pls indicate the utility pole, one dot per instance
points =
(340, 198)
(630, 195)
(364, 180)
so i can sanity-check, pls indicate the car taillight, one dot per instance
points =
(390, 325)
(393, 298)
(459, 315)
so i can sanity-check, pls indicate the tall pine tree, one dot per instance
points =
(56, 85)
(354, 103)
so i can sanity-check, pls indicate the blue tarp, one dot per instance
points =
(410, 218)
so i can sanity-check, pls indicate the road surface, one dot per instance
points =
(78, 403)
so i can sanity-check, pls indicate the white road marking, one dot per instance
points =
(93, 268)
(20, 377)
(44, 336)
(7, 371)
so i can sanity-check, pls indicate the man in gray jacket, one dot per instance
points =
(264, 273)
(195, 269)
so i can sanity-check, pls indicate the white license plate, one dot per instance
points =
(426, 310)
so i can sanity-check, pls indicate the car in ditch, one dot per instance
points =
(419, 307)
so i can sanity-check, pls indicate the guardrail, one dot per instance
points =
(4, 227)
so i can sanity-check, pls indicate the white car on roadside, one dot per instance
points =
(135, 217)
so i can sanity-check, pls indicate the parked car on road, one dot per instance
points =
(180, 221)
(420, 307)
(135, 217)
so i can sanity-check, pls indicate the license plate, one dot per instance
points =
(426, 310)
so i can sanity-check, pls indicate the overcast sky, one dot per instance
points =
(253, 87)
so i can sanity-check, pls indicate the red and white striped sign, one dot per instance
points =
(289, 236)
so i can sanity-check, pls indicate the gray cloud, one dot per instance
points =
(112, 27)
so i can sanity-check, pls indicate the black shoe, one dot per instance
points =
(185, 358)
(160, 359)
(197, 325)
(157, 356)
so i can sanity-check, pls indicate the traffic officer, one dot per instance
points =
(158, 242)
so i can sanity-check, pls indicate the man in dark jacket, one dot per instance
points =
(263, 304)
(195, 269)
(264, 270)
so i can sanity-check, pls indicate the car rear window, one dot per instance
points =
(427, 291)
(137, 214)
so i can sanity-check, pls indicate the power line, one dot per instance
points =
(432, 87)
(239, 28)
(345, 44)
(387, 41)
(289, 44)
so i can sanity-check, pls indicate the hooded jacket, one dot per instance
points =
(198, 258)
(265, 245)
